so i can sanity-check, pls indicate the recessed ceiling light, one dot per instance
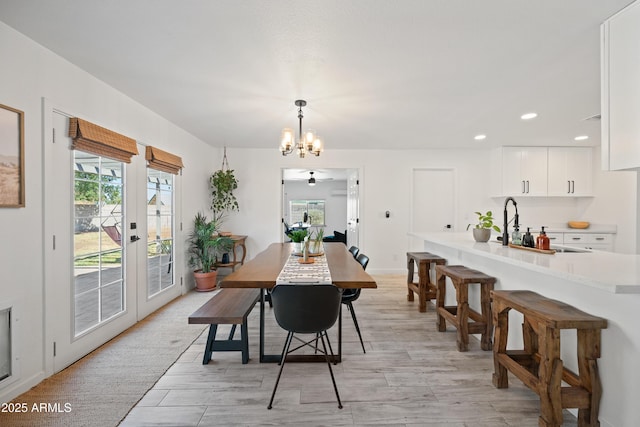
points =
(480, 137)
(529, 116)
(581, 138)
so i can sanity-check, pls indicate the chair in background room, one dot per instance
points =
(306, 309)
(350, 295)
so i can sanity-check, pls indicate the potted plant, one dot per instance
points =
(482, 230)
(297, 237)
(204, 247)
(222, 183)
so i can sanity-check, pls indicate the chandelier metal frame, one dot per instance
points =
(308, 142)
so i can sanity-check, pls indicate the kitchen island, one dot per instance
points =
(600, 283)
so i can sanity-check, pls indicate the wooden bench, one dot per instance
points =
(425, 289)
(539, 365)
(466, 320)
(230, 306)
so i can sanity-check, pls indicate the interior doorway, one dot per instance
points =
(433, 203)
(328, 196)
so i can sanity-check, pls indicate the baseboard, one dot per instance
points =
(17, 388)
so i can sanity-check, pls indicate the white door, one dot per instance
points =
(110, 261)
(353, 208)
(433, 208)
(87, 299)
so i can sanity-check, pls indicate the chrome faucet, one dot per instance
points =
(505, 232)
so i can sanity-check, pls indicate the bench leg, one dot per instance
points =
(409, 279)
(208, 349)
(244, 334)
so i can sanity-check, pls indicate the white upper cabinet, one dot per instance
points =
(524, 171)
(620, 71)
(543, 172)
(570, 171)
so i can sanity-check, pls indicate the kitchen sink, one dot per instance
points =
(566, 249)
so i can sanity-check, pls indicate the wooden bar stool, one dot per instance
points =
(425, 289)
(539, 365)
(461, 316)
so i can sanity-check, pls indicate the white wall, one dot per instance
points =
(385, 177)
(28, 74)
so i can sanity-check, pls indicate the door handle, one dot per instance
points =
(134, 238)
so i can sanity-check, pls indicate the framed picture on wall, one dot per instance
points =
(11, 157)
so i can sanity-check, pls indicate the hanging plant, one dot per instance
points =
(222, 184)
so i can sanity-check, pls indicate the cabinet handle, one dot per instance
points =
(576, 238)
(523, 187)
(599, 238)
(527, 186)
(573, 186)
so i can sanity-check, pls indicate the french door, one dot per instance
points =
(111, 256)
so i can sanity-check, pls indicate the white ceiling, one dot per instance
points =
(375, 73)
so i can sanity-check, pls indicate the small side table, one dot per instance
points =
(238, 241)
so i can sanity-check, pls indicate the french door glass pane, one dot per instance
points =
(98, 252)
(159, 231)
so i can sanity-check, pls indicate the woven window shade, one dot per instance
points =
(97, 140)
(163, 161)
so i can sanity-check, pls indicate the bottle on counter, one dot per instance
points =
(543, 242)
(516, 236)
(528, 240)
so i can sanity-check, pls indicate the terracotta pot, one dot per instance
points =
(205, 282)
(481, 234)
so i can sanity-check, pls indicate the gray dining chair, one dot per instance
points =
(306, 309)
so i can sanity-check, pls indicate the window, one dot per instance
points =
(313, 208)
(98, 251)
(159, 231)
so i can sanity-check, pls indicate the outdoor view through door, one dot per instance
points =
(159, 231)
(97, 248)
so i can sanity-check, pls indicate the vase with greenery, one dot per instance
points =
(222, 184)
(482, 229)
(297, 237)
(205, 245)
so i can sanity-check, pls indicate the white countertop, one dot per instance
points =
(564, 228)
(611, 272)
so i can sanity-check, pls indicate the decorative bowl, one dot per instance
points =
(578, 224)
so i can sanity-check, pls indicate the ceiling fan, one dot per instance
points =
(312, 180)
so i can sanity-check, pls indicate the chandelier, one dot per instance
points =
(307, 142)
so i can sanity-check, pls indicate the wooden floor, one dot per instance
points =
(411, 375)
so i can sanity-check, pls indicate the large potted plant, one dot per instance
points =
(205, 245)
(482, 230)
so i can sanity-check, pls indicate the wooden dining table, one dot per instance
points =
(263, 270)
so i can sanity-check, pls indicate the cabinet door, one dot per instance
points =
(621, 89)
(512, 182)
(570, 171)
(524, 171)
(534, 170)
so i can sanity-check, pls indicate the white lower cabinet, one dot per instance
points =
(597, 241)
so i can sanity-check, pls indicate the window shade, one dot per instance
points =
(97, 140)
(163, 161)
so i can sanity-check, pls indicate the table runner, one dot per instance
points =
(295, 272)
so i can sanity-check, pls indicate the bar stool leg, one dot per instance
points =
(462, 315)
(588, 352)
(550, 375)
(409, 278)
(501, 332)
(485, 301)
(441, 281)
(423, 281)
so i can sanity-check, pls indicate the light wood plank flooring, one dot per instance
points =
(411, 375)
